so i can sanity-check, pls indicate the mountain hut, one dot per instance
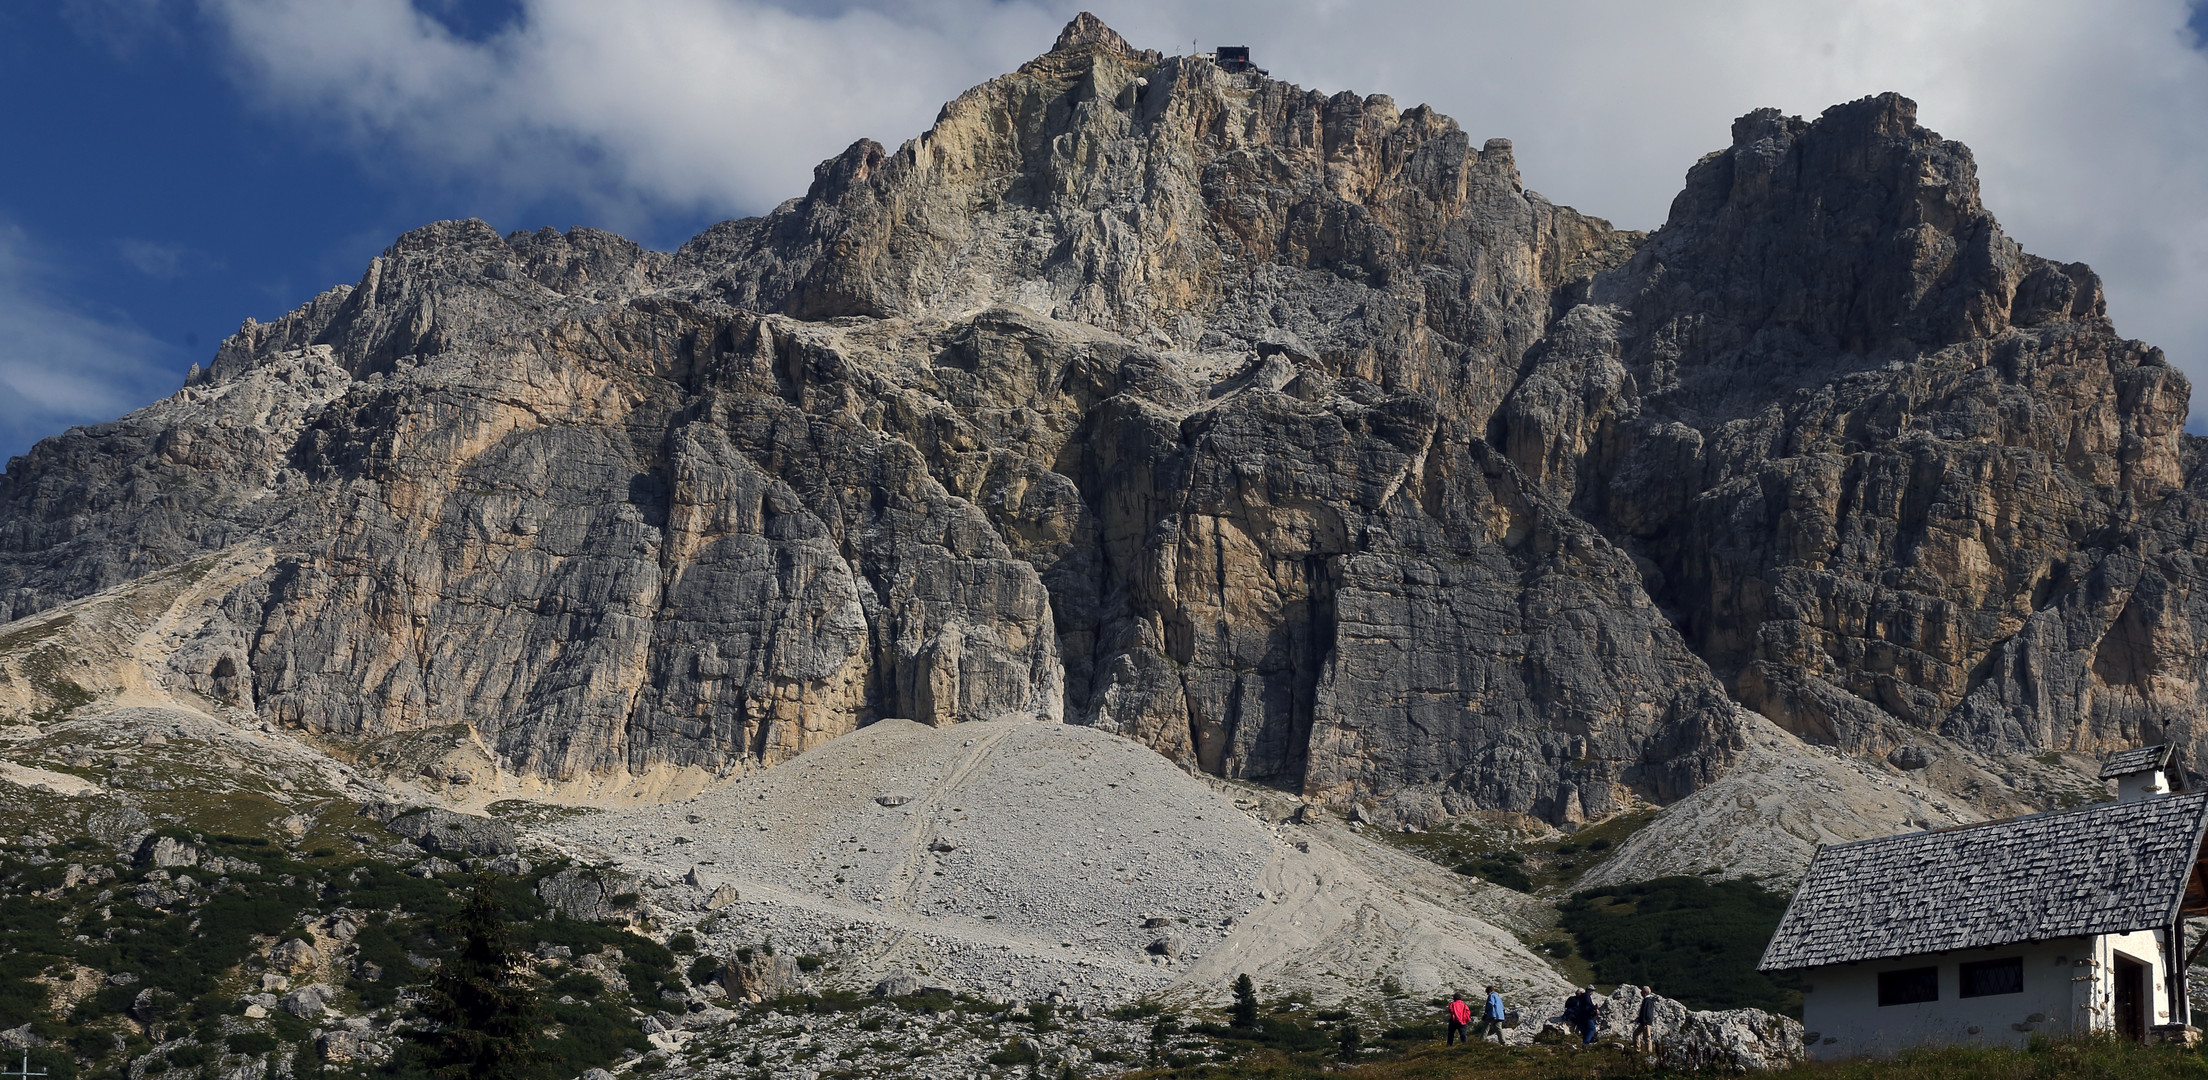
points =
(2063, 922)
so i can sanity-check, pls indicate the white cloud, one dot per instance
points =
(60, 366)
(2089, 121)
(157, 260)
(689, 104)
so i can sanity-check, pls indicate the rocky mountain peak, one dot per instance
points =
(1283, 432)
(1088, 30)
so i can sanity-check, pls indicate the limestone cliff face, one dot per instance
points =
(1285, 433)
(1889, 473)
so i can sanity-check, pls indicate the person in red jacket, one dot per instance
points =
(1460, 1018)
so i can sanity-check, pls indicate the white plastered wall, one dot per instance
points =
(2067, 988)
(2145, 946)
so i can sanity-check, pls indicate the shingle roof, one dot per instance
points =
(2126, 762)
(2103, 869)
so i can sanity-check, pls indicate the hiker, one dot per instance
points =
(1492, 1017)
(1579, 1012)
(1460, 1017)
(1644, 1022)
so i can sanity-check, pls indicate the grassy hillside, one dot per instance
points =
(2092, 1059)
(1693, 939)
(120, 969)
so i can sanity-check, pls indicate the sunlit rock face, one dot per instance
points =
(1285, 433)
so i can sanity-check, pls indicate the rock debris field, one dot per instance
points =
(1017, 859)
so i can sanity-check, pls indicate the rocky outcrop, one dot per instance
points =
(1732, 1040)
(760, 977)
(589, 894)
(456, 834)
(1283, 432)
(1873, 459)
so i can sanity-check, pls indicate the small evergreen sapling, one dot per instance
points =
(479, 997)
(1245, 1003)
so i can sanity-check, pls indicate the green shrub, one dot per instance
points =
(580, 984)
(290, 1028)
(809, 963)
(1508, 874)
(250, 1042)
(189, 1056)
(703, 969)
(1014, 1053)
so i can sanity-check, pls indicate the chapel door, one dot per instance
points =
(2131, 998)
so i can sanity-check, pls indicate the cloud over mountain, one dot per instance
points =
(2087, 119)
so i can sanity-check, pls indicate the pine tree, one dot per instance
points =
(1245, 1002)
(486, 1011)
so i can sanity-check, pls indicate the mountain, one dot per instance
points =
(1284, 433)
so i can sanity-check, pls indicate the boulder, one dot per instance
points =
(589, 894)
(449, 833)
(1730, 1039)
(293, 956)
(759, 978)
(897, 984)
(339, 1045)
(306, 1002)
(1734, 1039)
(166, 852)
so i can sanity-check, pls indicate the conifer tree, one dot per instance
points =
(486, 1010)
(1245, 1002)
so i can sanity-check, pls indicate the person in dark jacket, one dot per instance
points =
(1579, 1012)
(1460, 1017)
(1644, 1022)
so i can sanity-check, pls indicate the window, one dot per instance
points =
(1909, 986)
(1988, 977)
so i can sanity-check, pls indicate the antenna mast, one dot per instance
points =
(22, 1072)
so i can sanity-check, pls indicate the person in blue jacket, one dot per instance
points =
(1492, 1016)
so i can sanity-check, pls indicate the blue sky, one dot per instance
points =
(180, 165)
(165, 203)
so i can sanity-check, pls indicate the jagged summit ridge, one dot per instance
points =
(1283, 432)
(1088, 30)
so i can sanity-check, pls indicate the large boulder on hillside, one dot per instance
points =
(590, 894)
(456, 834)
